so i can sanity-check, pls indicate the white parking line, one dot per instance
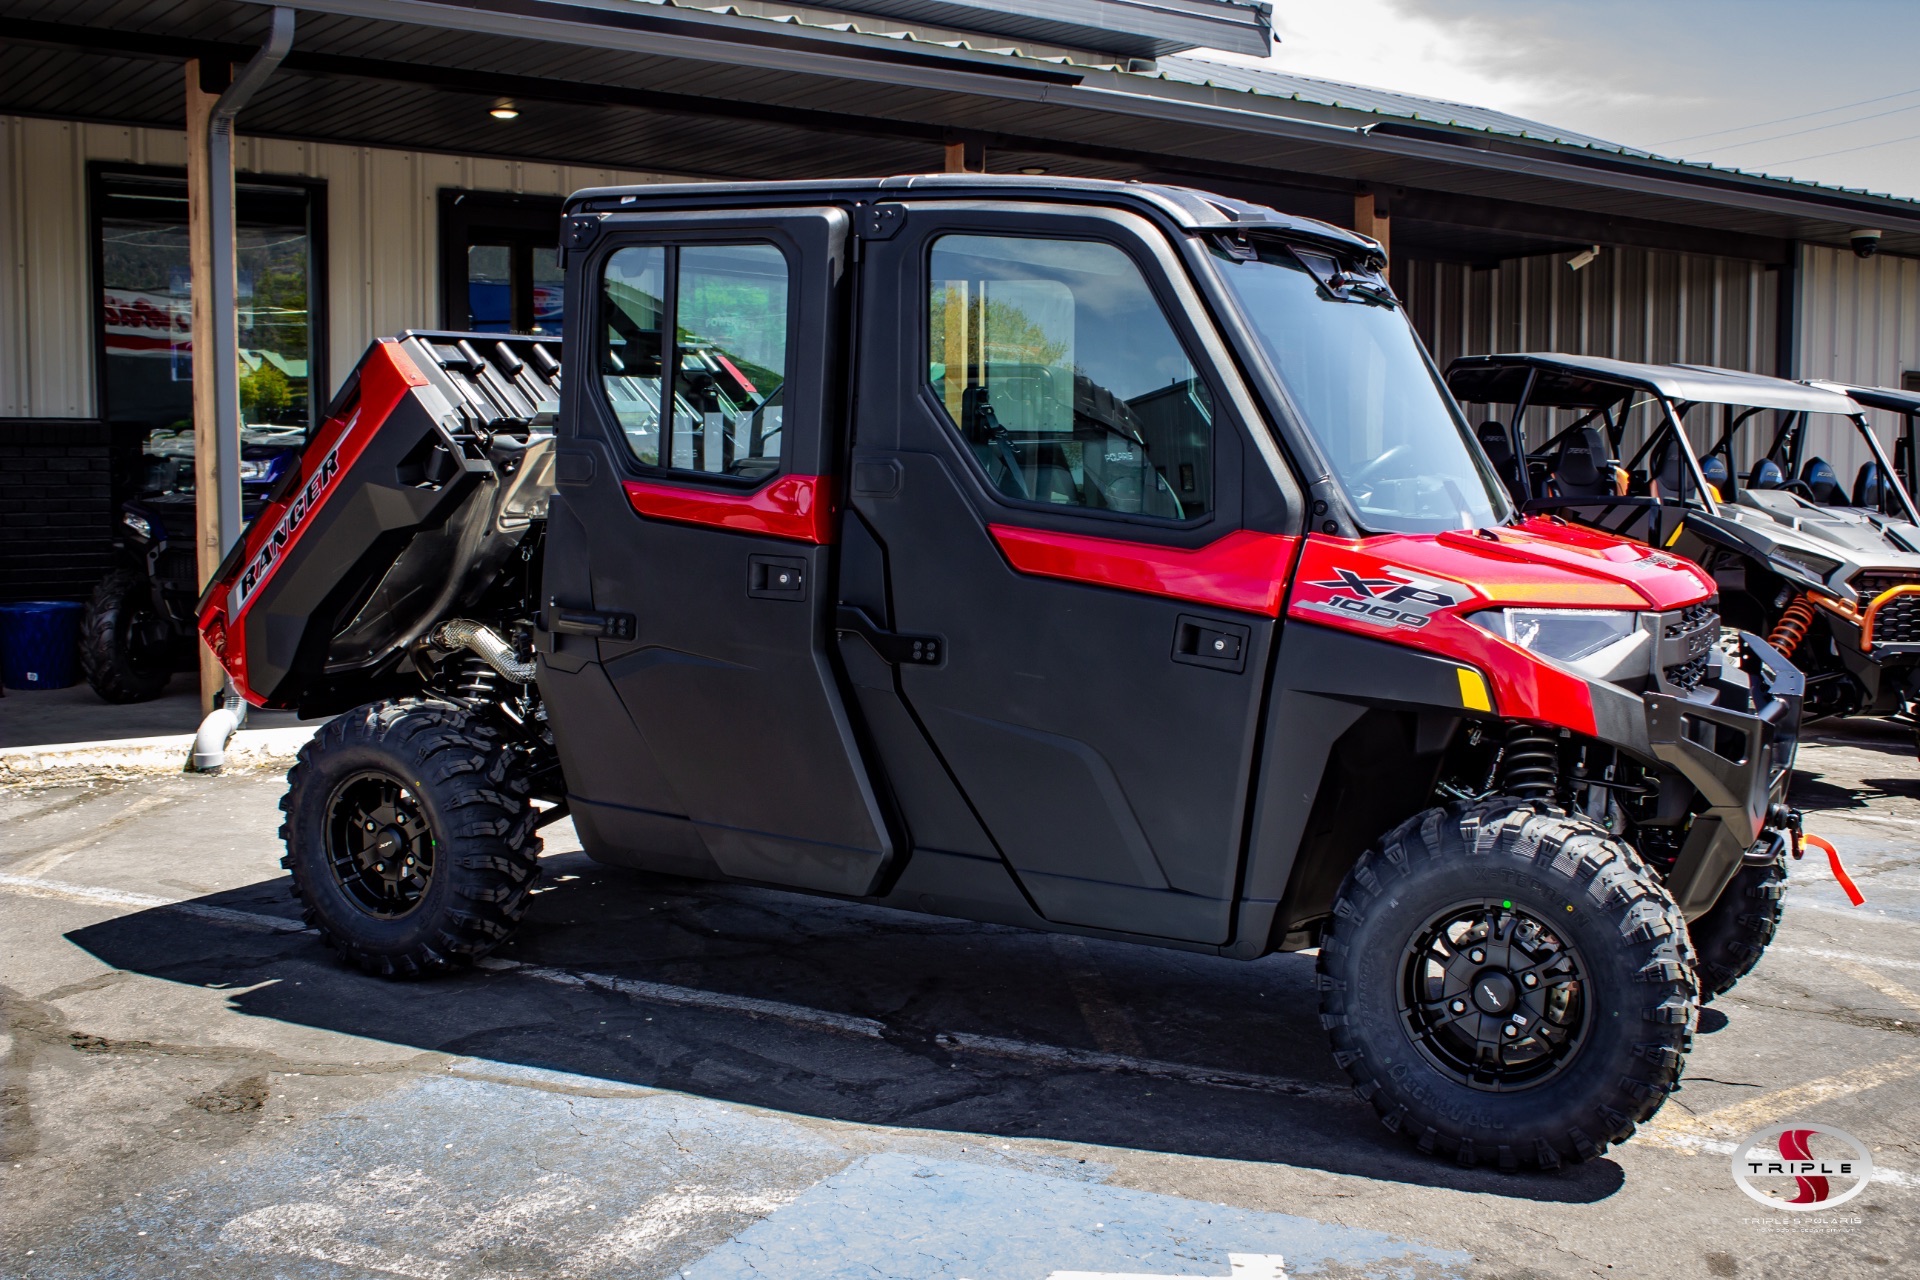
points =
(1055, 1056)
(35, 888)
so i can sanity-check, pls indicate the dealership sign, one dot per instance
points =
(1822, 1166)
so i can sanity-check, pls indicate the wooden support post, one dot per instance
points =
(202, 92)
(1370, 218)
(967, 156)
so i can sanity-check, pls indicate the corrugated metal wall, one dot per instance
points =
(1859, 322)
(1629, 304)
(382, 232)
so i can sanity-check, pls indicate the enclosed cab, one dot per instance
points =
(1093, 557)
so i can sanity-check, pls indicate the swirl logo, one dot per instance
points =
(1820, 1179)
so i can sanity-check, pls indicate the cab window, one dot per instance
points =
(1068, 384)
(726, 309)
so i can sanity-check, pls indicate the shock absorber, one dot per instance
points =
(477, 679)
(1793, 625)
(1530, 766)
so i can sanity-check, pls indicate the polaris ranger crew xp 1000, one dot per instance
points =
(1086, 556)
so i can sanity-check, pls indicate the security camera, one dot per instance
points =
(1866, 242)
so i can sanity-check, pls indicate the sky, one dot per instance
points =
(1823, 90)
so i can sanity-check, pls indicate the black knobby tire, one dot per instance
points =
(1629, 1017)
(119, 662)
(454, 776)
(1731, 936)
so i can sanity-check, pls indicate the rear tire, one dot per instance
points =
(122, 660)
(1733, 934)
(1468, 923)
(410, 836)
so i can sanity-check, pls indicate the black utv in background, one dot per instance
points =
(1093, 557)
(139, 627)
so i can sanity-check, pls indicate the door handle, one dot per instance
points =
(893, 647)
(1207, 642)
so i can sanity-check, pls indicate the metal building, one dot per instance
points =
(402, 165)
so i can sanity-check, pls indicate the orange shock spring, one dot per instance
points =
(1792, 627)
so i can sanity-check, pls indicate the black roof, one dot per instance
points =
(1184, 207)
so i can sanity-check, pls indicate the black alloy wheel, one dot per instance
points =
(1507, 983)
(1492, 996)
(379, 844)
(410, 836)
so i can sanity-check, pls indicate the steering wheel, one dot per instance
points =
(1800, 488)
(1366, 472)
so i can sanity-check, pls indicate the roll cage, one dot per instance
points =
(1675, 475)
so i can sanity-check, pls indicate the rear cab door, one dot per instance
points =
(694, 705)
(1061, 507)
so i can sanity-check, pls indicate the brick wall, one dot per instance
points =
(56, 508)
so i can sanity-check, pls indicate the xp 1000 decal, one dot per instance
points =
(303, 505)
(1383, 597)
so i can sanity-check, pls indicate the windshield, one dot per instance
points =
(1354, 369)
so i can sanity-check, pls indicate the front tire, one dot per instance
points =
(125, 642)
(1735, 931)
(410, 836)
(1507, 983)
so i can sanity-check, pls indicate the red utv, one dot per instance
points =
(1092, 557)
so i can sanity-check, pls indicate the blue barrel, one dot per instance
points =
(40, 644)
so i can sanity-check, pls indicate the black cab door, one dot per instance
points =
(1053, 465)
(695, 708)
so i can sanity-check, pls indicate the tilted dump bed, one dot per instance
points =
(431, 467)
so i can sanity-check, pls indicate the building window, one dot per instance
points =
(730, 351)
(1065, 379)
(500, 263)
(145, 316)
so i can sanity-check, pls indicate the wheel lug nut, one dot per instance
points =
(1477, 956)
(1509, 1031)
(1459, 1006)
(1531, 980)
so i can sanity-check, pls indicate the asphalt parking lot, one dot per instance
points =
(663, 1078)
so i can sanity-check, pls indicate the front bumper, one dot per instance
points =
(1734, 739)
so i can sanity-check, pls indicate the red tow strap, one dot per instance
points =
(1839, 872)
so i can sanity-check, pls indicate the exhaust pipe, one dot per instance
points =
(462, 633)
(216, 731)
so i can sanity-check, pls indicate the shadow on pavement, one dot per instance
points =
(919, 975)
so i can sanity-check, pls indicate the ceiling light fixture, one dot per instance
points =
(1033, 170)
(505, 110)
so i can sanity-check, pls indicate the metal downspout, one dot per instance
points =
(225, 299)
(210, 743)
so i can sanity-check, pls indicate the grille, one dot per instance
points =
(1687, 676)
(1898, 620)
(1692, 618)
(177, 565)
(1695, 629)
(1871, 582)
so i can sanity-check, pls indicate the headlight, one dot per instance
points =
(1567, 635)
(256, 470)
(139, 525)
(1803, 564)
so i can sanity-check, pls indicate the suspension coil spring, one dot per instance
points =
(477, 679)
(1530, 766)
(1793, 626)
